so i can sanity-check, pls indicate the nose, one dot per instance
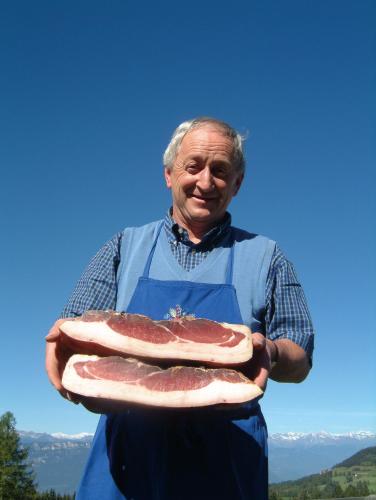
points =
(205, 180)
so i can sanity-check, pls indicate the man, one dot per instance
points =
(193, 262)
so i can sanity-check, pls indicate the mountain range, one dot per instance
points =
(294, 455)
(59, 459)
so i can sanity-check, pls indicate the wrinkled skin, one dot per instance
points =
(203, 180)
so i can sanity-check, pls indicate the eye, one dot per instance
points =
(192, 168)
(219, 170)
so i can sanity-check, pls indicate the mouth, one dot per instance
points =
(204, 199)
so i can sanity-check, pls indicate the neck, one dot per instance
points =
(196, 230)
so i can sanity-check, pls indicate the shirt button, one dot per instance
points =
(193, 251)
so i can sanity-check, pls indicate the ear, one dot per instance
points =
(167, 174)
(238, 183)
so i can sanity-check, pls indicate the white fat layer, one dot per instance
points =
(217, 392)
(98, 332)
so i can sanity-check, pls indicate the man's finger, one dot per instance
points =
(54, 333)
(52, 336)
(52, 366)
(258, 341)
(70, 396)
(261, 377)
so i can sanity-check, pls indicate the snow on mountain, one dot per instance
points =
(59, 438)
(81, 435)
(321, 437)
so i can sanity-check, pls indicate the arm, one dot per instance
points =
(291, 363)
(288, 323)
(96, 289)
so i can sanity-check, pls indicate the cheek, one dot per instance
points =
(185, 183)
(224, 188)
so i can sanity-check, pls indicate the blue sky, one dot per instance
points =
(90, 93)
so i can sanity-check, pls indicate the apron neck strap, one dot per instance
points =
(230, 262)
(145, 274)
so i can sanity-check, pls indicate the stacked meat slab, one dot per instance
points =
(175, 363)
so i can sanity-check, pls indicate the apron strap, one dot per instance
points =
(145, 274)
(230, 262)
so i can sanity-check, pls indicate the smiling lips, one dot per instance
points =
(202, 198)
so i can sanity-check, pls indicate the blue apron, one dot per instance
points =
(159, 454)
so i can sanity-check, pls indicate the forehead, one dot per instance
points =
(206, 140)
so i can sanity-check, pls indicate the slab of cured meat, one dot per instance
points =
(129, 380)
(187, 338)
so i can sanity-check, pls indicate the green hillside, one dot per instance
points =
(363, 457)
(353, 477)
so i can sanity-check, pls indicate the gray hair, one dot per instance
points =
(185, 127)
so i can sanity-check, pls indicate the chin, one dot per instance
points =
(203, 212)
(204, 216)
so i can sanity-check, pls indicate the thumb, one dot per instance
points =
(258, 341)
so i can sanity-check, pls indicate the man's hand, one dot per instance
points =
(57, 355)
(292, 363)
(259, 367)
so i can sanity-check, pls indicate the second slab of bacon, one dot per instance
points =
(125, 381)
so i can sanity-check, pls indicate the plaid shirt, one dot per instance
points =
(286, 313)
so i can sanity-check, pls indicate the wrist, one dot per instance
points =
(274, 352)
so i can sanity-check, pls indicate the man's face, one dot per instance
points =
(203, 179)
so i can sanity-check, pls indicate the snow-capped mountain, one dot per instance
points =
(293, 455)
(80, 436)
(58, 459)
(322, 437)
(44, 437)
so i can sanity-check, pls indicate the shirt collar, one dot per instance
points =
(179, 234)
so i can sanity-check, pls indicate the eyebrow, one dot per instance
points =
(199, 158)
(195, 157)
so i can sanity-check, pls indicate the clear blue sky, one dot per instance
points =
(89, 95)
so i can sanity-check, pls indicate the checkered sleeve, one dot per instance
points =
(287, 314)
(96, 289)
